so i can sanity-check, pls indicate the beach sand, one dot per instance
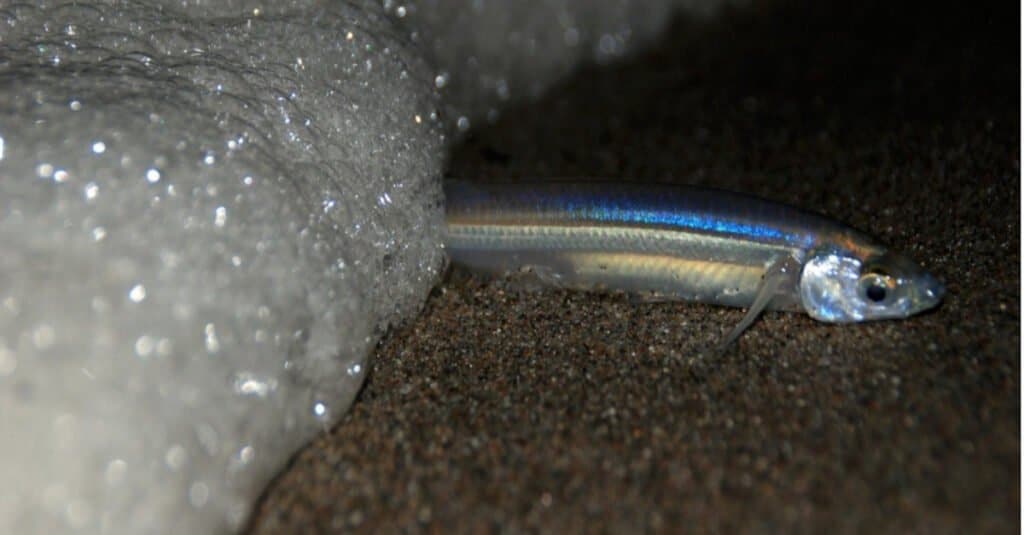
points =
(499, 409)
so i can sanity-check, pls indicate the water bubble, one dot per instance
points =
(144, 346)
(212, 342)
(246, 454)
(44, 170)
(220, 216)
(175, 457)
(441, 80)
(248, 384)
(114, 474)
(137, 293)
(502, 89)
(609, 45)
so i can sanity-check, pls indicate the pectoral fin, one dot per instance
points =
(781, 275)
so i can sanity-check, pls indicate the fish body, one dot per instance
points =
(681, 243)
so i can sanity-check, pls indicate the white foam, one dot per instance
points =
(205, 223)
(491, 53)
(208, 213)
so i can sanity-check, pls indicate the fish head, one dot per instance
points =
(842, 286)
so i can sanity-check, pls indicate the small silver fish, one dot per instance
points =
(670, 242)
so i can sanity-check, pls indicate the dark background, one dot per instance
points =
(505, 410)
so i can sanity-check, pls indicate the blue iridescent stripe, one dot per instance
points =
(606, 210)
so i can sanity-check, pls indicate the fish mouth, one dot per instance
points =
(930, 293)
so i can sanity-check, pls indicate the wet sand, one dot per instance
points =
(499, 409)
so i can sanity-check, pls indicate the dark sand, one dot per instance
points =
(503, 410)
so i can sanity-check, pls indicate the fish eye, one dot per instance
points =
(875, 292)
(875, 285)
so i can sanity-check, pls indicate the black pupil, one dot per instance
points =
(875, 293)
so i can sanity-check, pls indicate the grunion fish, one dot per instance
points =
(673, 242)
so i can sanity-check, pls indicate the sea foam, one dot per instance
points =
(209, 211)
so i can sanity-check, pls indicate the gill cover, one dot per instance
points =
(827, 281)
